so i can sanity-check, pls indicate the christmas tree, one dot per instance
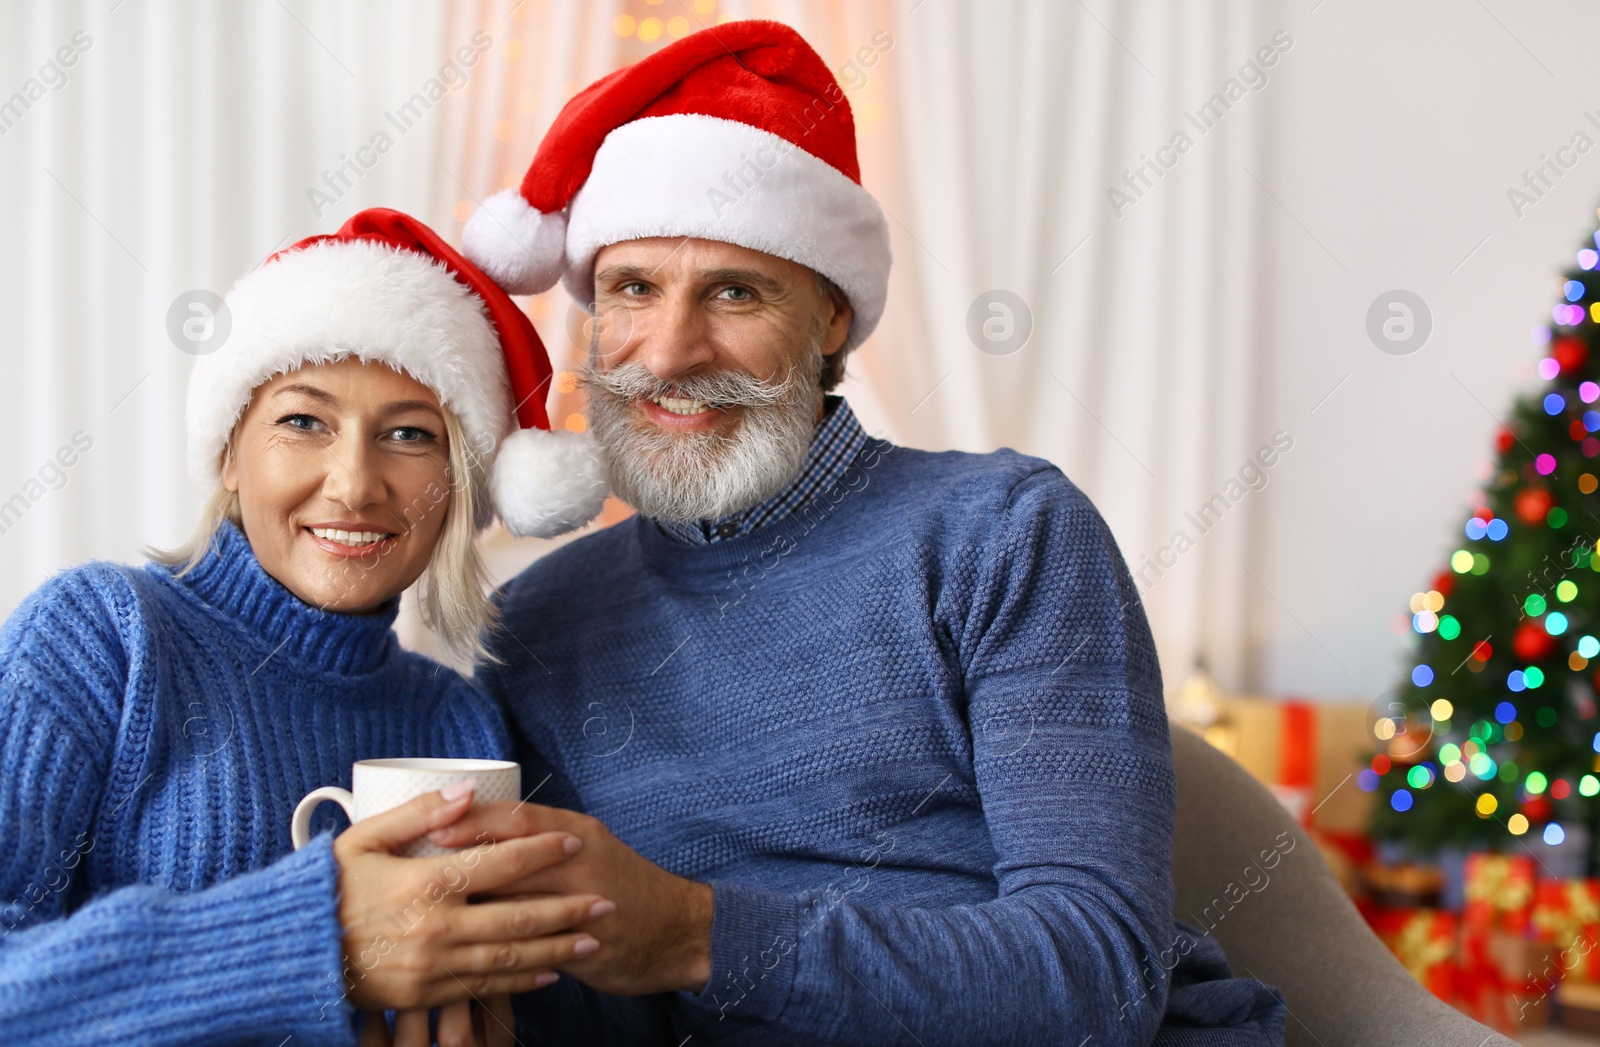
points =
(1491, 740)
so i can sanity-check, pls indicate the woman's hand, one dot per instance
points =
(412, 942)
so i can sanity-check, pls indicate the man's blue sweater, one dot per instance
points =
(913, 736)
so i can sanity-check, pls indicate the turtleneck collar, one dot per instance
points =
(232, 581)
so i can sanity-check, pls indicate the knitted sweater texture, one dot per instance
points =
(155, 734)
(911, 733)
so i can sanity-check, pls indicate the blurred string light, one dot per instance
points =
(1495, 530)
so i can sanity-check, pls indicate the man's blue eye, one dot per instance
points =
(742, 292)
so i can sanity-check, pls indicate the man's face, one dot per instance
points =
(703, 375)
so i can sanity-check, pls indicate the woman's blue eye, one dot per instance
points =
(303, 422)
(411, 434)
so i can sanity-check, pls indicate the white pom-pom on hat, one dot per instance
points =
(522, 249)
(546, 483)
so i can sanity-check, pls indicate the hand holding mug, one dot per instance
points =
(411, 941)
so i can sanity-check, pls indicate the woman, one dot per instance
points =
(159, 724)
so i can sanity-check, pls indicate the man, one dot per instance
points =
(868, 743)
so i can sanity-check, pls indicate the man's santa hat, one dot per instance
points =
(737, 133)
(386, 289)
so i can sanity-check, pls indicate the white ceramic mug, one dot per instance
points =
(378, 785)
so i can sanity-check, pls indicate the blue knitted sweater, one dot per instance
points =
(913, 736)
(157, 732)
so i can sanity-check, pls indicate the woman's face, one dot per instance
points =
(342, 473)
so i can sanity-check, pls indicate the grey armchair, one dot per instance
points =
(1294, 927)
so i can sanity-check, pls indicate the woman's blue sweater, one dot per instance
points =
(156, 733)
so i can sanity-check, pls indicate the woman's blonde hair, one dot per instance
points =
(453, 589)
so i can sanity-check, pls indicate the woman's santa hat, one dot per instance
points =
(737, 133)
(386, 289)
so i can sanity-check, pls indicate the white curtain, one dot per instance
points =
(1140, 375)
(182, 145)
(186, 141)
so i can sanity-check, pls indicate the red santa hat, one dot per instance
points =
(737, 133)
(385, 288)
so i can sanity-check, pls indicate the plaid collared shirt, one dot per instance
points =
(838, 439)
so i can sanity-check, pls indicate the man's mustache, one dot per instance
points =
(714, 388)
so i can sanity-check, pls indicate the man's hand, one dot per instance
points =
(659, 938)
(412, 941)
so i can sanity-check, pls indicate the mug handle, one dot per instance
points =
(300, 827)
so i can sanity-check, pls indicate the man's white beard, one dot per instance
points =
(685, 476)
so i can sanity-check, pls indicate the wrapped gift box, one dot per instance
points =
(1424, 941)
(1566, 917)
(1309, 754)
(1499, 892)
(1504, 980)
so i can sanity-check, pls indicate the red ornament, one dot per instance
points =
(1576, 430)
(1482, 651)
(1484, 513)
(1537, 808)
(1445, 584)
(1570, 353)
(1504, 440)
(1531, 643)
(1532, 504)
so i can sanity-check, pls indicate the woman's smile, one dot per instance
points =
(344, 539)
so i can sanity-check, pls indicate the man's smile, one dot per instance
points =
(670, 412)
